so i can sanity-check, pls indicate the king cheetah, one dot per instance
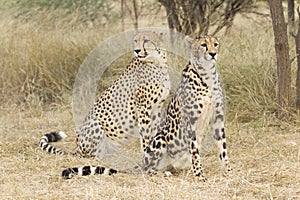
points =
(197, 105)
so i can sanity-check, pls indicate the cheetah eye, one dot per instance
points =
(204, 45)
(146, 40)
(135, 40)
(216, 44)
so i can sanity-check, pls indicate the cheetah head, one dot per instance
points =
(147, 46)
(203, 49)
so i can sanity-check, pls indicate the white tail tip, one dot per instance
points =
(62, 134)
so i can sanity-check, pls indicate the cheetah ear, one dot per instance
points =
(189, 41)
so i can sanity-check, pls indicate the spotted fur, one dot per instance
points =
(197, 104)
(130, 108)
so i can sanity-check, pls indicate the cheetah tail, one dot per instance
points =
(52, 137)
(86, 171)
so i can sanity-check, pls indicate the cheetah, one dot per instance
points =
(196, 105)
(128, 109)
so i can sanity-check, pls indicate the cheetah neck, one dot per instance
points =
(208, 72)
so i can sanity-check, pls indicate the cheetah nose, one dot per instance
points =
(137, 51)
(212, 54)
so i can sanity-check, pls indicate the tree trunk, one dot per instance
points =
(172, 15)
(283, 60)
(291, 13)
(297, 41)
(193, 17)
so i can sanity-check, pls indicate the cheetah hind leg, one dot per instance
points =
(155, 156)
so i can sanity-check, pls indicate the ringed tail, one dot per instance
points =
(86, 171)
(52, 137)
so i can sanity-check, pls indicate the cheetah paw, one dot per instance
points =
(168, 174)
(201, 178)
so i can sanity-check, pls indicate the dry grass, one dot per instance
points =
(38, 66)
(36, 62)
(266, 162)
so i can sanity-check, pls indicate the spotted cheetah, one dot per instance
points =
(130, 108)
(197, 105)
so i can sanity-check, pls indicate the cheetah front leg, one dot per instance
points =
(149, 101)
(220, 138)
(194, 152)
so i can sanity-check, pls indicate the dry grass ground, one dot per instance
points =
(35, 98)
(265, 159)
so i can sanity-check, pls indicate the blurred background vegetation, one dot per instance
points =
(43, 43)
